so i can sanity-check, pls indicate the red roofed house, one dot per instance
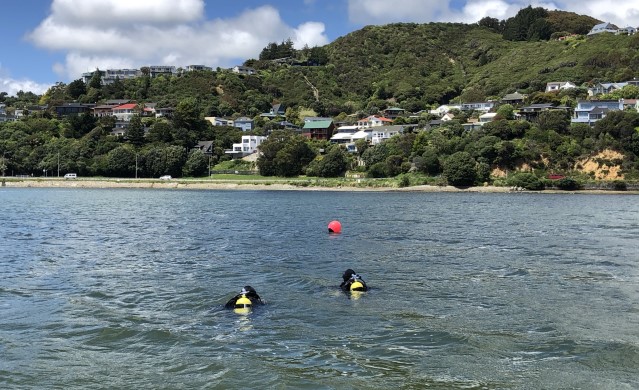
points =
(373, 121)
(125, 112)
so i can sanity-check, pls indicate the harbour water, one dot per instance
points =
(105, 289)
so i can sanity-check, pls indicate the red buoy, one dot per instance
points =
(334, 227)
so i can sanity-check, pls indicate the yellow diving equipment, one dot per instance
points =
(243, 305)
(357, 286)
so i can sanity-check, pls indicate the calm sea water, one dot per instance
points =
(104, 289)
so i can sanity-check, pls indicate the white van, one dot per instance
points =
(71, 176)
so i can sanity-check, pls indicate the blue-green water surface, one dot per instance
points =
(106, 289)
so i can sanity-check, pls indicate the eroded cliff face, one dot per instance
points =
(605, 165)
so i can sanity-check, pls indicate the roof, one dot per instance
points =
(318, 124)
(339, 136)
(514, 96)
(243, 119)
(362, 134)
(345, 129)
(128, 106)
(375, 117)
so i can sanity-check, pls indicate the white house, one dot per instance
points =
(247, 146)
(373, 121)
(239, 69)
(478, 106)
(382, 133)
(444, 109)
(219, 121)
(487, 117)
(344, 134)
(590, 111)
(124, 112)
(448, 117)
(629, 30)
(603, 27)
(559, 85)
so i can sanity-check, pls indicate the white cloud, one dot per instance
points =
(114, 34)
(363, 12)
(11, 86)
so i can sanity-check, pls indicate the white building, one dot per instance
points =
(248, 145)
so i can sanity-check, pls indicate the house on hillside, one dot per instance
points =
(626, 31)
(219, 121)
(73, 109)
(205, 146)
(603, 28)
(629, 104)
(4, 117)
(394, 112)
(120, 128)
(590, 111)
(102, 110)
(245, 70)
(248, 145)
(559, 85)
(344, 135)
(373, 121)
(276, 110)
(318, 129)
(487, 117)
(514, 99)
(605, 88)
(531, 113)
(164, 112)
(444, 109)
(125, 112)
(244, 123)
(478, 106)
(195, 68)
(161, 70)
(382, 133)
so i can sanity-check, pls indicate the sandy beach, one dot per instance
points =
(267, 186)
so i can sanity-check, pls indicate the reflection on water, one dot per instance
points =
(125, 289)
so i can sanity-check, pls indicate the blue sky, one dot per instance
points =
(48, 41)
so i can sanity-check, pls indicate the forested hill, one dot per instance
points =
(412, 66)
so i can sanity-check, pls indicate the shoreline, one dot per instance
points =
(248, 186)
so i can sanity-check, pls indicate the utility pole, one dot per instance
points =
(136, 165)
(58, 164)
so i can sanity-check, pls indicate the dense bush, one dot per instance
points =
(526, 180)
(459, 169)
(568, 184)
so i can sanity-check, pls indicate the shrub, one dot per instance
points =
(568, 184)
(404, 181)
(377, 170)
(619, 185)
(459, 169)
(526, 180)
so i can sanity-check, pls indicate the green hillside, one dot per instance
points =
(406, 65)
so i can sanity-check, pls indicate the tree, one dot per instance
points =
(121, 162)
(135, 131)
(333, 164)
(284, 153)
(96, 79)
(557, 120)
(196, 165)
(459, 169)
(491, 23)
(506, 111)
(76, 88)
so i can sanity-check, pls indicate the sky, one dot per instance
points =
(49, 41)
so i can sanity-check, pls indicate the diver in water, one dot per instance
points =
(246, 299)
(352, 282)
